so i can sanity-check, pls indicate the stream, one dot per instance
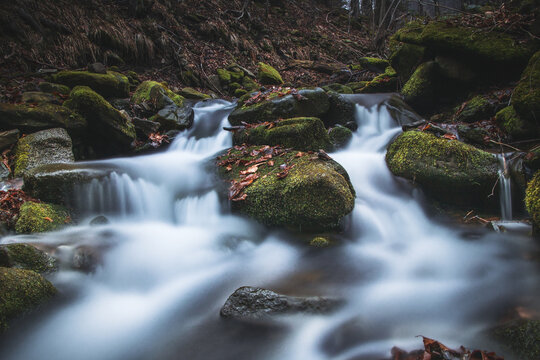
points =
(172, 253)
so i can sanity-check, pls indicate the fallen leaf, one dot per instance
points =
(48, 219)
(271, 163)
(449, 136)
(250, 170)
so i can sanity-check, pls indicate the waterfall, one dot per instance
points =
(505, 188)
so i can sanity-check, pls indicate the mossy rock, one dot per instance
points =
(38, 97)
(314, 103)
(511, 123)
(302, 133)
(521, 336)
(238, 93)
(43, 116)
(190, 93)
(224, 76)
(340, 137)
(41, 217)
(43, 147)
(173, 117)
(249, 84)
(315, 196)
(447, 170)
(110, 132)
(267, 75)
(422, 88)
(25, 256)
(476, 109)
(374, 64)
(52, 88)
(157, 95)
(320, 242)
(457, 71)
(526, 97)
(383, 83)
(339, 88)
(406, 59)
(21, 291)
(356, 86)
(109, 85)
(56, 183)
(532, 201)
(472, 135)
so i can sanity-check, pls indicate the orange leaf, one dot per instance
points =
(449, 136)
(48, 219)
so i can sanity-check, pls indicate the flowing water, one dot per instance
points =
(173, 252)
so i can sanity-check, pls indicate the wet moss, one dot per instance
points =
(532, 200)
(20, 292)
(109, 85)
(476, 109)
(190, 93)
(522, 337)
(526, 97)
(22, 152)
(422, 87)
(339, 88)
(340, 136)
(156, 94)
(24, 256)
(224, 76)
(268, 75)
(510, 122)
(450, 171)
(406, 58)
(41, 217)
(320, 242)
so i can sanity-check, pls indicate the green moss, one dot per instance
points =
(526, 97)
(249, 84)
(373, 64)
(340, 136)
(532, 200)
(190, 93)
(268, 75)
(155, 94)
(476, 109)
(110, 85)
(43, 116)
(320, 242)
(357, 86)
(339, 88)
(450, 171)
(510, 122)
(234, 86)
(24, 256)
(302, 133)
(53, 88)
(36, 217)
(21, 158)
(421, 89)
(406, 58)
(522, 337)
(239, 93)
(386, 82)
(224, 76)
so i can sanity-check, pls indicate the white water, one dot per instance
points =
(505, 189)
(173, 253)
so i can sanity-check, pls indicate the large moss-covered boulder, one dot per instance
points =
(267, 75)
(297, 133)
(109, 130)
(510, 122)
(421, 90)
(41, 217)
(42, 147)
(21, 291)
(310, 103)
(405, 59)
(520, 336)
(25, 256)
(447, 170)
(109, 85)
(29, 118)
(532, 201)
(55, 183)
(526, 97)
(156, 95)
(294, 190)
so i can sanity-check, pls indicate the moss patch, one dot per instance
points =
(190, 93)
(373, 64)
(268, 75)
(340, 136)
(24, 256)
(422, 88)
(522, 337)
(43, 116)
(155, 94)
(532, 200)
(41, 217)
(510, 122)
(110, 85)
(53, 88)
(476, 109)
(526, 97)
(406, 59)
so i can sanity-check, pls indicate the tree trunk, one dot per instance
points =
(355, 8)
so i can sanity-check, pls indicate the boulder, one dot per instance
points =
(267, 75)
(297, 133)
(510, 122)
(422, 89)
(521, 337)
(339, 88)
(55, 182)
(301, 191)
(385, 82)
(156, 96)
(173, 117)
(340, 137)
(21, 291)
(109, 132)
(255, 304)
(405, 59)
(341, 110)
(8, 138)
(52, 88)
(312, 103)
(476, 109)
(190, 93)
(447, 170)
(109, 85)
(526, 97)
(41, 217)
(25, 256)
(472, 135)
(28, 118)
(532, 201)
(400, 111)
(97, 68)
(37, 97)
(43, 147)
(374, 64)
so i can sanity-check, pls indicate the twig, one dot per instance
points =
(503, 144)
(493, 189)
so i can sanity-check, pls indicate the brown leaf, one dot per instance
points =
(449, 136)
(271, 163)
(299, 154)
(48, 219)
(240, 198)
(250, 170)
(229, 167)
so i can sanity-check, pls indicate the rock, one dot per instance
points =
(511, 123)
(109, 85)
(520, 336)
(43, 147)
(43, 116)
(25, 256)
(109, 132)
(400, 111)
(526, 97)
(421, 90)
(455, 70)
(190, 93)
(340, 137)
(386, 82)
(373, 64)
(173, 117)
(297, 133)
(121, 104)
(86, 259)
(20, 292)
(41, 217)
(476, 109)
(406, 59)
(316, 195)
(97, 68)
(314, 103)
(36, 97)
(341, 111)
(532, 201)
(55, 182)
(267, 75)
(145, 127)
(156, 95)
(447, 170)
(254, 304)
(472, 135)
(8, 138)
(52, 88)
(99, 220)
(339, 88)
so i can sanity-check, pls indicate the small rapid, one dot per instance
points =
(173, 252)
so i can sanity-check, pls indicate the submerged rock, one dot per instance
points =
(109, 85)
(43, 147)
(252, 304)
(21, 291)
(297, 133)
(448, 170)
(25, 256)
(41, 217)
